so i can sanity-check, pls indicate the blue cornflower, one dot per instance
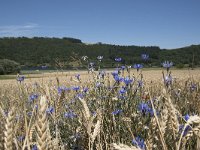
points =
(62, 89)
(36, 106)
(102, 73)
(122, 90)
(94, 113)
(193, 87)
(98, 84)
(100, 58)
(118, 78)
(139, 142)
(145, 109)
(186, 117)
(33, 97)
(76, 88)
(84, 58)
(70, 115)
(91, 64)
(118, 111)
(44, 67)
(127, 80)
(80, 96)
(77, 76)
(168, 80)
(20, 78)
(34, 147)
(29, 113)
(115, 73)
(21, 138)
(123, 67)
(187, 129)
(6, 113)
(85, 89)
(145, 57)
(167, 64)
(50, 110)
(140, 83)
(150, 111)
(138, 66)
(118, 59)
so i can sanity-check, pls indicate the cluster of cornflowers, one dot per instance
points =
(63, 89)
(118, 78)
(139, 142)
(145, 109)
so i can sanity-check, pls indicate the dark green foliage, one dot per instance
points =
(72, 40)
(8, 66)
(180, 66)
(37, 51)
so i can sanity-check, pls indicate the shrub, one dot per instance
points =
(180, 66)
(9, 66)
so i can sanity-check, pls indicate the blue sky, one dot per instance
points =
(163, 23)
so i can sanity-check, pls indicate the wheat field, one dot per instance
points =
(122, 110)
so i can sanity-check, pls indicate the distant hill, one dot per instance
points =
(37, 51)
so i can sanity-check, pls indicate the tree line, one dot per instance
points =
(43, 51)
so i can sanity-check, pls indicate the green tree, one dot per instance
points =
(8, 66)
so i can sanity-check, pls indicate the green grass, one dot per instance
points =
(6, 77)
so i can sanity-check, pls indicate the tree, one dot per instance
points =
(9, 66)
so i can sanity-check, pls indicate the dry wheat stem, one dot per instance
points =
(161, 134)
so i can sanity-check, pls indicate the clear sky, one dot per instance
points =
(164, 23)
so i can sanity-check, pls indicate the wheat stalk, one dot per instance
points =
(49, 139)
(159, 128)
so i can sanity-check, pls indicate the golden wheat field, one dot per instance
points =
(65, 77)
(123, 110)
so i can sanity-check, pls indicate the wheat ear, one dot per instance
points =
(42, 125)
(1, 131)
(86, 109)
(8, 139)
(163, 120)
(115, 146)
(96, 131)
